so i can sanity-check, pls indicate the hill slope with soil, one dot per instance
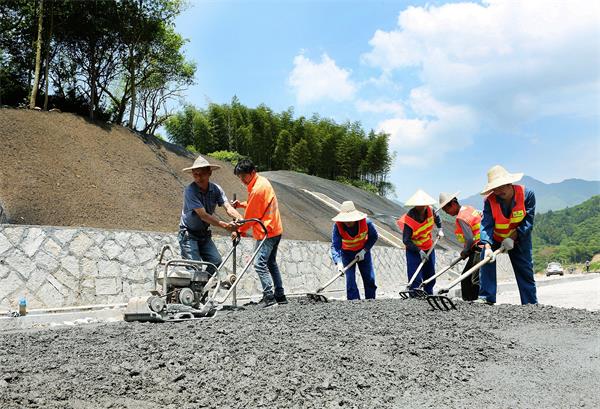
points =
(62, 170)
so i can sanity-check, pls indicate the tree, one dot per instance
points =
(281, 157)
(47, 57)
(17, 33)
(180, 127)
(165, 79)
(300, 157)
(38, 56)
(316, 146)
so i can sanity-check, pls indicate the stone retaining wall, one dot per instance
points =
(56, 266)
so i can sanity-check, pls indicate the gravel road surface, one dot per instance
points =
(365, 354)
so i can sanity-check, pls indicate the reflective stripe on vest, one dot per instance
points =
(421, 232)
(503, 226)
(354, 243)
(472, 217)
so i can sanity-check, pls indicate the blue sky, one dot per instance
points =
(460, 86)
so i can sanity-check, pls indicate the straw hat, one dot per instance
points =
(446, 198)
(200, 162)
(498, 176)
(420, 198)
(348, 213)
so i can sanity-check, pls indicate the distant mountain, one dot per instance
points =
(551, 196)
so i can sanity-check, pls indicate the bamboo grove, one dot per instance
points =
(275, 141)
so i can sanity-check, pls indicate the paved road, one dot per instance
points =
(562, 292)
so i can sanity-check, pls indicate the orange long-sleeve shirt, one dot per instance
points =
(262, 204)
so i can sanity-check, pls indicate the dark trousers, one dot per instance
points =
(469, 287)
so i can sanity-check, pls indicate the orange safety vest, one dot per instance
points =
(354, 243)
(262, 204)
(505, 226)
(421, 232)
(472, 217)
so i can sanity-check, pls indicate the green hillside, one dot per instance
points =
(570, 235)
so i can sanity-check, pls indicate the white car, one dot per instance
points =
(554, 268)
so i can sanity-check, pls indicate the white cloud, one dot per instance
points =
(509, 61)
(314, 81)
(380, 106)
(502, 62)
(438, 129)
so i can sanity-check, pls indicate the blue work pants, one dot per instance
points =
(366, 272)
(521, 259)
(413, 259)
(199, 248)
(265, 265)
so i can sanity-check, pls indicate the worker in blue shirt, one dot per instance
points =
(353, 236)
(200, 199)
(508, 213)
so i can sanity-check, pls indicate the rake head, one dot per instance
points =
(440, 302)
(412, 293)
(420, 293)
(317, 297)
(406, 294)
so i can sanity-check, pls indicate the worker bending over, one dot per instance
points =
(417, 227)
(468, 224)
(353, 236)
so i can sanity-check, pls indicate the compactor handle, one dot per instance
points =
(244, 221)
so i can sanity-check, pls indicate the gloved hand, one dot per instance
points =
(340, 267)
(489, 252)
(465, 253)
(423, 255)
(361, 255)
(440, 234)
(508, 243)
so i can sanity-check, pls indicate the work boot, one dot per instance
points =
(281, 299)
(267, 301)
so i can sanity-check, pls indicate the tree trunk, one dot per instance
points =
(92, 81)
(48, 58)
(38, 57)
(133, 90)
(121, 111)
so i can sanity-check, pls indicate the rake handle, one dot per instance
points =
(338, 275)
(412, 279)
(470, 271)
(454, 262)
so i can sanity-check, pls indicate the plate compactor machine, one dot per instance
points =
(189, 289)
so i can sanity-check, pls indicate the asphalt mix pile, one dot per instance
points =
(371, 354)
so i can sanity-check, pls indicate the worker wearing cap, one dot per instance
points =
(352, 237)
(262, 204)
(468, 224)
(200, 198)
(508, 212)
(417, 229)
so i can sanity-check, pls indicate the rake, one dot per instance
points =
(441, 302)
(420, 292)
(316, 296)
(409, 292)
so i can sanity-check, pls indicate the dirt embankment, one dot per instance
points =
(366, 354)
(60, 169)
